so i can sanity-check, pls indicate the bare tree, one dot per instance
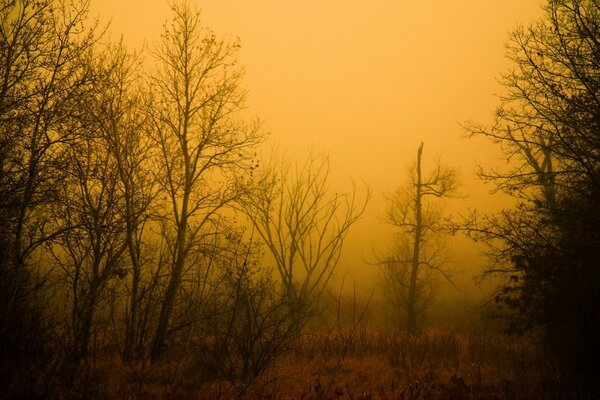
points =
(118, 113)
(302, 225)
(418, 252)
(547, 118)
(202, 140)
(250, 323)
(545, 249)
(105, 196)
(90, 253)
(43, 45)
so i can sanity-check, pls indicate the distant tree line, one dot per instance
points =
(134, 215)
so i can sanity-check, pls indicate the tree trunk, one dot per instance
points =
(134, 254)
(166, 311)
(132, 321)
(83, 334)
(411, 312)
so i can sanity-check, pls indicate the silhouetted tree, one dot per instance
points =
(548, 126)
(43, 45)
(116, 110)
(302, 226)
(202, 141)
(419, 250)
(91, 252)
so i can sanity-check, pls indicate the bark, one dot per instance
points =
(411, 319)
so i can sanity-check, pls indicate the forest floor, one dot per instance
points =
(364, 365)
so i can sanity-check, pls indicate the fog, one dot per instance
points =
(260, 199)
(365, 83)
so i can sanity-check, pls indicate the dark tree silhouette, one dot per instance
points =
(418, 252)
(302, 225)
(201, 139)
(43, 46)
(114, 111)
(547, 124)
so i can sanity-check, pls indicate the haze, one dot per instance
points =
(285, 200)
(364, 82)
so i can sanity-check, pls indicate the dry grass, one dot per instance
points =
(369, 365)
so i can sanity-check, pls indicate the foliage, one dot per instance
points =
(547, 248)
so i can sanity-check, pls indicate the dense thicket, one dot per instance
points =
(121, 235)
(548, 247)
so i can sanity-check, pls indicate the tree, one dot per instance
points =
(43, 46)
(546, 247)
(117, 111)
(91, 251)
(418, 251)
(302, 226)
(43, 50)
(251, 322)
(203, 142)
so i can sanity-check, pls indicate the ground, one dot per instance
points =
(367, 364)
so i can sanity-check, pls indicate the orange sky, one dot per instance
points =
(364, 81)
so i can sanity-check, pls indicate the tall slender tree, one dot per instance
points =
(116, 110)
(202, 139)
(418, 251)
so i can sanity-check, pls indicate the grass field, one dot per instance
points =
(364, 364)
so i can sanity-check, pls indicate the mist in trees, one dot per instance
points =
(124, 196)
(419, 254)
(302, 225)
(142, 229)
(546, 249)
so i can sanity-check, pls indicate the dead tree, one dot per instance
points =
(418, 250)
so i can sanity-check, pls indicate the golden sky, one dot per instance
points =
(364, 81)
